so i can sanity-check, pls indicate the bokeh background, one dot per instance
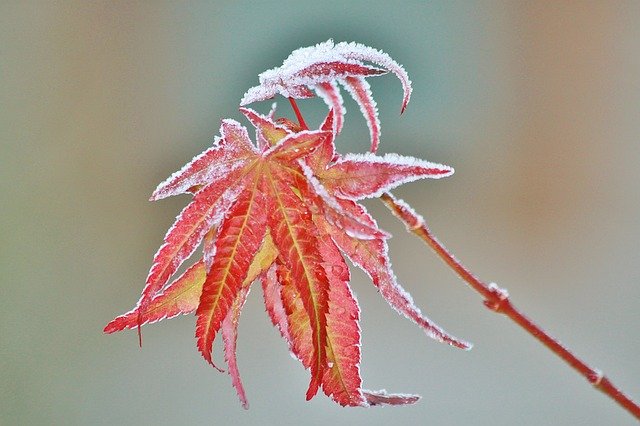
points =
(536, 105)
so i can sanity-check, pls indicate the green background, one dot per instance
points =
(536, 105)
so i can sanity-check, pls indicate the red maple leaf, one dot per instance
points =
(285, 211)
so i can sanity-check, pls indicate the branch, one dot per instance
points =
(497, 299)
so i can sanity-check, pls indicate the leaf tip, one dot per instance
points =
(450, 172)
(313, 388)
(207, 357)
(381, 397)
(110, 328)
(454, 341)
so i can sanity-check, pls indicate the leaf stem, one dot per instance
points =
(497, 299)
(296, 110)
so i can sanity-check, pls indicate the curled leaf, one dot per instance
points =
(319, 67)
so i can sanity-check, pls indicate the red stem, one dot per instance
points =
(296, 110)
(497, 300)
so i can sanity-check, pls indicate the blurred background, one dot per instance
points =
(536, 105)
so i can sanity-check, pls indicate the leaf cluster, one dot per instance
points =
(285, 211)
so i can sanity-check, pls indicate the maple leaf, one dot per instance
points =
(285, 210)
(318, 68)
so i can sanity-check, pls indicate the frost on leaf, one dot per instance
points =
(366, 175)
(319, 67)
(284, 210)
(330, 93)
(361, 92)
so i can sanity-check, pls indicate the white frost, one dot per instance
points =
(330, 93)
(338, 216)
(289, 78)
(367, 105)
(393, 178)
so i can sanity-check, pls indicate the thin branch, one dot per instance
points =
(497, 299)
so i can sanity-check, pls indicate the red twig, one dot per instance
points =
(497, 299)
(296, 110)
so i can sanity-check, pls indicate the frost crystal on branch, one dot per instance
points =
(285, 211)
